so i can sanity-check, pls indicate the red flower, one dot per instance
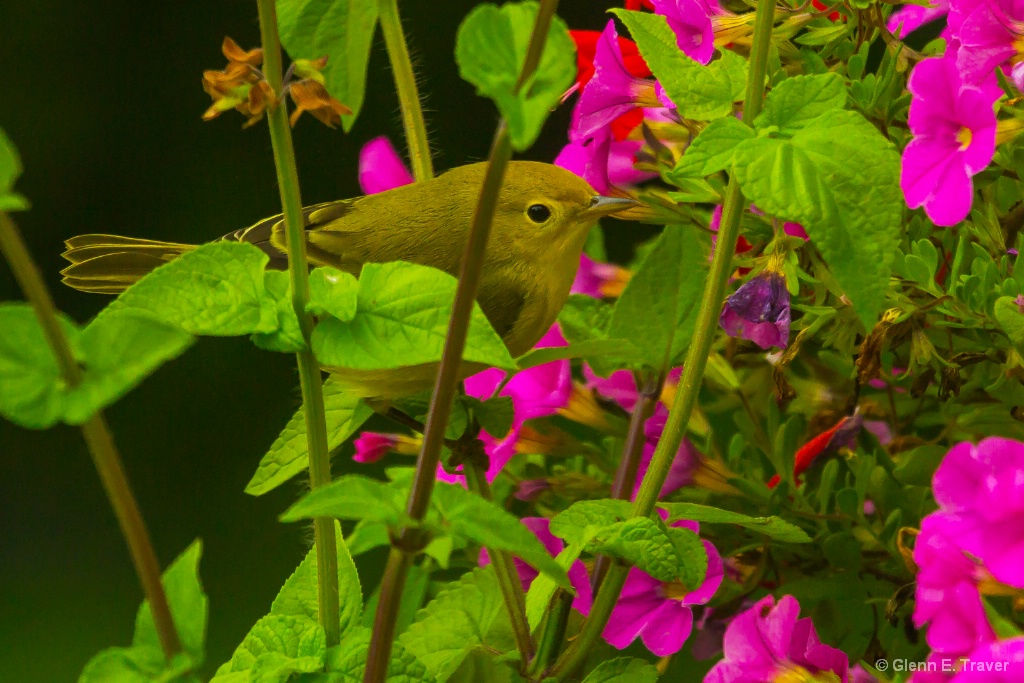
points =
(819, 5)
(586, 48)
(841, 435)
(635, 5)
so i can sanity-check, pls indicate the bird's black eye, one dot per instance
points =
(538, 213)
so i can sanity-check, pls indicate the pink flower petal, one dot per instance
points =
(380, 167)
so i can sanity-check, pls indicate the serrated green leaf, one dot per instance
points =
(352, 496)
(490, 48)
(772, 527)
(623, 670)
(288, 455)
(468, 515)
(666, 554)
(839, 178)
(579, 523)
(115, 352)
(455, 622)
(299, 595)
(137, 665)
(712, 150)
(495, 414)
(341, 30)
(701, 93)
(1008, 314)
(658, 309)
(402, 320)
(333, 292)
(287, 338)
(277, 646)
(584, 318)
(10, 171)
(188, 604)
(346, 663)
(796, 102)
(217, 289)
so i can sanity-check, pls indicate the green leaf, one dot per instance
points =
(623, 670)
(712, 150)
(772, 527)
(218, 289)
(455, 622)
(298, 596)
(793, 104)
(343, 31)
(538, 597)
(287, 338)
(136, 665)
(701, 93)
(10, 171)
(188, 604)
(402, 320)
(277, 646)
(619, 349)
(116, 351)
(582, 319)
(666, 554)
(468, 515)
(346, 663)
(1008, 314)
(352, 496)
(581, 521)
(839, 178)
(658, 309)
(495, 414)
(333, 292)
(490, 49)
(288, 455)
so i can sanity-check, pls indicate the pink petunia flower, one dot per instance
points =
(990, 33)
(536, 392)
(372, 446)
(604, 162)
(693, 22)
(658, 612)
(380, 167)
(611, 92)
(768, 642)
(540, 526)
(759, 311)
(909, 18)
(980, 492)
(947, 596)
(954, 130)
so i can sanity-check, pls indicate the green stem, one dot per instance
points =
(408, 93)
(309, 369)
(379, 653)
(504, 569)
(97, 437)
(696, 358)
(552, 633)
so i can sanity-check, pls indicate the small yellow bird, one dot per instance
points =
(543, 216)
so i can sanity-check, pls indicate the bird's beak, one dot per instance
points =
(604, 206)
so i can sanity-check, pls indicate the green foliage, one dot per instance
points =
(352, 496)
(401, 319)
(341, 30)
(773, 527)
(116, 351)
(665, 553)
(458, 620)
(288, 455)
(623, 670)
(144, 661)
(796, 102)
(490, 50)
(10, 170)
(701, 93)
(583, 520)
(713, 149)
(658, 308)
(287, 338)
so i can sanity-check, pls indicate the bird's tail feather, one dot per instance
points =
(109, 264)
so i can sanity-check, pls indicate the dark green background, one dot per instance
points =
(103, 101)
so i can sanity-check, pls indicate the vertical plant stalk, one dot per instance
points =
(410, 541)
(696, 358)
(408, 93)
(505, 570)
(625, 475)
(97, 437)
(552, 633)
(309, 369)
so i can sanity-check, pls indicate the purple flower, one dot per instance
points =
(372, 446)
(947, 597)
(990, 34)
(536, 392)
(603, 162)
(997, 662)
(540, 526)
(380, 167)
(612, 92)
(909, 18)
(599, 280)
(694, 25)
(980, 492)
(954, 130)
(759, 311)
(659, 612)
(768, 641)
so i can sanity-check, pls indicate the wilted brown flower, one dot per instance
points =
(309, 95)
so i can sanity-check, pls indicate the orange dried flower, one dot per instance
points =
(309, 95)
(239, 86)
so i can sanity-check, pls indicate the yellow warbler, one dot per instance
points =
(543, 216)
